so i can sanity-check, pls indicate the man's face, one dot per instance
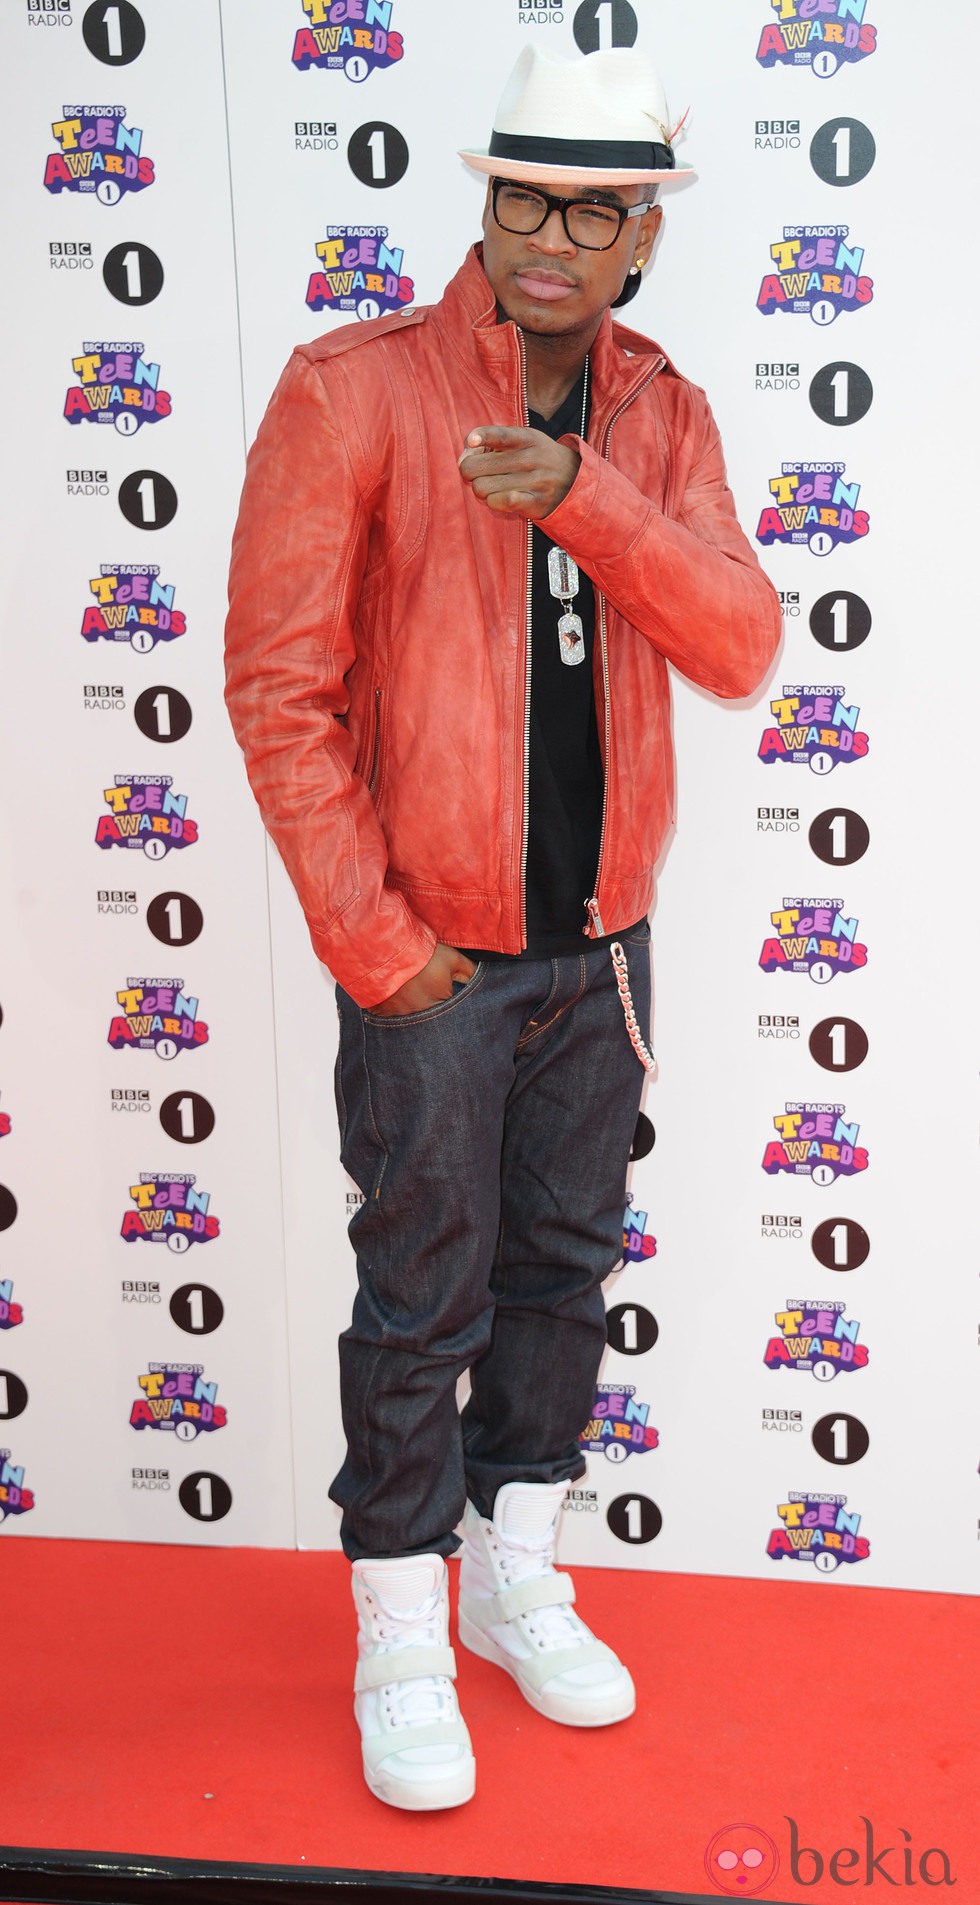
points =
(552, 287)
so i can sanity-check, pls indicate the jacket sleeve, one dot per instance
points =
(297, 562)
(690, 582)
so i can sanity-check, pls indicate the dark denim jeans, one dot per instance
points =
(490, 1136)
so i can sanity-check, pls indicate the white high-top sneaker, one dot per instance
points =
(415, 1747)
(515, 1610)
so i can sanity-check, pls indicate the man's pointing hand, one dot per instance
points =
(518, 472)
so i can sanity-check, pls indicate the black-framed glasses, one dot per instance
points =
(588, 222)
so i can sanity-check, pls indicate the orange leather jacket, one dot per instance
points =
(377, 639)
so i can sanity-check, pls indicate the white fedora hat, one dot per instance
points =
(597, 120)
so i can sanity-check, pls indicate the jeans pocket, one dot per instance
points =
(461, 990)
(641, 937)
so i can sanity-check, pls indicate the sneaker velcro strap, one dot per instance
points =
(404, 1663)
(543, 1590)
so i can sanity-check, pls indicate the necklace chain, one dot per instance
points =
(563, 579)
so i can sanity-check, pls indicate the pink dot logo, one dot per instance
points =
(741, 1860)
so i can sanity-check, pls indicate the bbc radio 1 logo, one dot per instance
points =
(818, 1337)
(116, 385)
(157, 1016)
(11, 1312)
(15, 1499)
(145, 815)
(354, 37)
(813, 508)
(541, 13)
(817, 274)
(170, 1210)
(49, 13)
(97, 153)
(619, 1425)
(70, 254)
(817, 1528)
(360, 273)
(839, 35)
(176, 1397)
(814, 936)
(776, 135)
(817, 1141)
(155, 1479)
(639, 1242)
(815, 727)
(132, 605)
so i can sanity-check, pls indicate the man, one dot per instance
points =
(471, 538)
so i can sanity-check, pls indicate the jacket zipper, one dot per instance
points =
(595, 928)
(376, 752)
(526, 809)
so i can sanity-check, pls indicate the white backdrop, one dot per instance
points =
(186, 1391)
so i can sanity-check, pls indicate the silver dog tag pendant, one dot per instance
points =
(571, 641)
(562, 574)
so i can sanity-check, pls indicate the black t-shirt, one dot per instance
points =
(565, 765)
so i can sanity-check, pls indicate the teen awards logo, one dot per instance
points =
(132, 605)
(816, 1336)
(814, 936)
(157, 1016)
(15, 1499)
(815, 727)
(117, 385)
(639, 1243)
(813, 508)
(355, 37)
(6, 1124)
(821, 34)
(176, 1397)
(620, 1426)
(817, 274)
(169, 1210)
(97, 153)
(817, 1528)
(11, 1313)
(145, 814)
(360, 273)
(814, 1141)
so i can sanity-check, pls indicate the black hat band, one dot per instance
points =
(605, 155)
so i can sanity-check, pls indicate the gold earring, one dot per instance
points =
(635, 267)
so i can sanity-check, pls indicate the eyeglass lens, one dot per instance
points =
(594, 227)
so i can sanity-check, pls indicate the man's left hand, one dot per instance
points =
(518, 472)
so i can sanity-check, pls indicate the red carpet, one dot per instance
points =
(196, 1703)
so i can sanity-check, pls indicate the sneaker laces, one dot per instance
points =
(548, 1628)
(431, 1698)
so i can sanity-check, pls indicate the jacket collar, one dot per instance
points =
(621, 360)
